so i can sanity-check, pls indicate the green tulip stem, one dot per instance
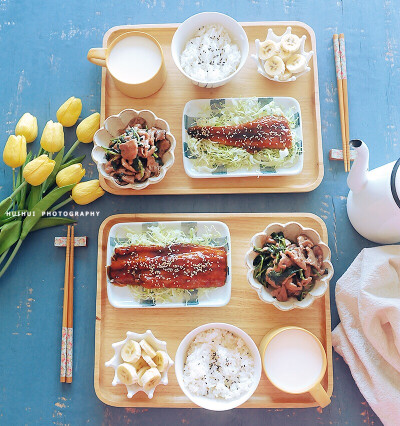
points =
(71, 150)
(18, 189)
(50, 155)
(11, 258)
(3, 256)
(13, 179)
(62, 204)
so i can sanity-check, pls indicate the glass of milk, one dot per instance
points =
(294, 361)
(135, 62)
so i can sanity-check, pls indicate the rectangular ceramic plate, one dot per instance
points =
(169, 101)
(195, 108)
(244, 310)
(122, 297)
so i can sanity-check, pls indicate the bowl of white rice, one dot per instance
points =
(218, 366)
(210, 48)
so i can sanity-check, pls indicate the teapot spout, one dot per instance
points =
(358, 174)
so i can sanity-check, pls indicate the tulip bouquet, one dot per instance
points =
(39, 181)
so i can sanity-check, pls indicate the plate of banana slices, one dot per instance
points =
(282, 58)
(141, 362)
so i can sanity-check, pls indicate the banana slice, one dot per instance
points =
(140, 364)
(267, 49)
(149, 361)
(285, 76)
(147, 348)
(127, 374)
(296, 63)
(290, 43)
(162, 360)
(131, 351)
(150, 379)
(274, 66)
(283, 54)
(140, 374)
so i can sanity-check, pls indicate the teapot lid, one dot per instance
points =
(395, 182)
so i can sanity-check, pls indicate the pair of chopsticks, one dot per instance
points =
(68, 310)
(341, 76)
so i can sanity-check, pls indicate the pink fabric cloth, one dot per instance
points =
(368, 336)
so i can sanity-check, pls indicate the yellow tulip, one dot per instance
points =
(14, 154)
(52, 137)
(88, 127)
(69, 111)
(86, 192)
(38, 170)
(27, 126)
(71, 174)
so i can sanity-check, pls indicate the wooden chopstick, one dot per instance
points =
(339, 79)
(65, 309)
(70, 317)
(342, 49)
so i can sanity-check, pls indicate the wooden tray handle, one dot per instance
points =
(97, 56)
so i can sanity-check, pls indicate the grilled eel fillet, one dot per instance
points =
(177, 266)
(271, 131)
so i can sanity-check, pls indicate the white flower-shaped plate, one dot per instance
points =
(277, 39)
(291, 231)
(114, 126)
(116, 360)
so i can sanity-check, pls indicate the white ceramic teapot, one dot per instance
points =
(373, 204)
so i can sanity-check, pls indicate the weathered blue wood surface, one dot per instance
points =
(43, 61)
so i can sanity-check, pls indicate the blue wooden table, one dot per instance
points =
(43, 62)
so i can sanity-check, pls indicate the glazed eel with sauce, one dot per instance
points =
(269, 132)
(185, 266)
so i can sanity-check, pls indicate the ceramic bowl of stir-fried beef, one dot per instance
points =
(289, 265)
(133, 149)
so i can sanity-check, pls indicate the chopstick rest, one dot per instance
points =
(337, 154)
(78, 241)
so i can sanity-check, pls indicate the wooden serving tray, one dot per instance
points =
(168, 103)
(245, 310)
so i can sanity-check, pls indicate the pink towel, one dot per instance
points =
(368, 336)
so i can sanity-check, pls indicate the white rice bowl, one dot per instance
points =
(218, 366)
(210, 55)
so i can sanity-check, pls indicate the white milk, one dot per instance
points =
(293, 360)
(134, 59)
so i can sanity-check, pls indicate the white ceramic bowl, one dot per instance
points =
(116, 360)
(217, 404)
(186, 31)
(272, 36)
(114, 126)
(291, 231)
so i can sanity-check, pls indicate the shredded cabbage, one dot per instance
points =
(207, 156)
(163, 236)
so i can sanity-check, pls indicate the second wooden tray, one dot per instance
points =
(245, 310)
(169, 102)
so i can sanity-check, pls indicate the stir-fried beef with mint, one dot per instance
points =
(288, 268)
(137, 154)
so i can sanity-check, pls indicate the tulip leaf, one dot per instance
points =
(52, 178)
(9, 235)
(42, 206)
(48, 222)
(5, 205)
(34, 196)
